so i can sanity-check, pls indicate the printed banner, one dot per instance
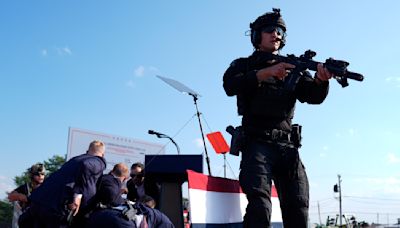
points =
(220, 202)
(118, 148)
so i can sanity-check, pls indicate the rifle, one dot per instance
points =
(305, 62)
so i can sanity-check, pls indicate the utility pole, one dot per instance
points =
(319, 214)
(377, 218)
(387, 219)
(338, 188)
(340, 199)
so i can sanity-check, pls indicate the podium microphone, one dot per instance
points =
(158, 134)
(161, 135)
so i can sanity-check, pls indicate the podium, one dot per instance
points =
(170, 172)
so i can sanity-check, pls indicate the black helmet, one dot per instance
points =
(273, 18)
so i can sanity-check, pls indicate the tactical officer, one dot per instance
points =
(21, 194)
(36, 173)
(271, 142)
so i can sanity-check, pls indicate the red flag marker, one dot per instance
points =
(218, 142)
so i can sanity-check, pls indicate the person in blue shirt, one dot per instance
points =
(112, 210)
(66, 193)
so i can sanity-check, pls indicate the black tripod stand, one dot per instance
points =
(184, 89)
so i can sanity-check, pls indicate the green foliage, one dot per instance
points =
(6, 213)
(23, 178)
(53, 164)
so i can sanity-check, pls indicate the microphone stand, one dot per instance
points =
(160, 135)
(184, 89)
(202, 133)
(173, 141)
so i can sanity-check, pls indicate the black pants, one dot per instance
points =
(263, 162)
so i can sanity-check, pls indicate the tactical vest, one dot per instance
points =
(269, 101)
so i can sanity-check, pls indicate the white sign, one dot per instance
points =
(118, 148)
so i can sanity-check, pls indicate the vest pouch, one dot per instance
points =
(271, 101)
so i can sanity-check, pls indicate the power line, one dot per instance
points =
(321, 200)
(372, 198)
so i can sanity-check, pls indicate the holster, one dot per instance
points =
(236, 140)
(296, 135)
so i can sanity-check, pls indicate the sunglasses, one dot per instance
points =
(39, 174)
(139, 175)
(273, 28)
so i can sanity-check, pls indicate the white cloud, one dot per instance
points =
(388, 185)
(139, 71)
(324, 151)
(394, 80)
(393, 158)
(6, 185)
(44, 52)
(67, 50)
(63, 50)
(130, 84)
(198, 142)
(154, 69)
(351, 132)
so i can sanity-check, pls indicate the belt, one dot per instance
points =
(276, 135)
(281, 137)
(270, 134)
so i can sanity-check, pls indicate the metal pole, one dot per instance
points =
(202, 134)
(319, 214)
(176, 145)
(388, 219)
(224, 165)
(340, 200)
(377, 218)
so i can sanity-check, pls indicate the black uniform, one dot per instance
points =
(270, 150)
(25, 189)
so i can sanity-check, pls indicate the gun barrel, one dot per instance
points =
(230, 129)
(355, 76)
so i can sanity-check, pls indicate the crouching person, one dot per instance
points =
(111, 210)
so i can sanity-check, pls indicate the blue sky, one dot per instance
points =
(92, 65)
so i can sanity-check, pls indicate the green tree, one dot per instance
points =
(53, 164)
(6, 213)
